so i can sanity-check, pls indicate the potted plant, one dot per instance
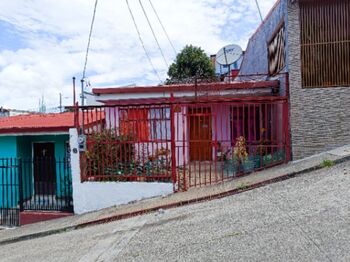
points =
(241, 155)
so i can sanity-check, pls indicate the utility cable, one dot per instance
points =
(89, 41)
(165, 32)
(141, 41)
(257, 4)
(154, 35)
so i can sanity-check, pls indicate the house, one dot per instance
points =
(4, 112)
(35, 165)
(34, 158)
(294, 56)
(287, 102)
(161, 139)
(14, 112)
(189, 124)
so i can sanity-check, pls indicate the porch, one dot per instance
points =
(187, 142)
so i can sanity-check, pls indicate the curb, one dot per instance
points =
(169, 206)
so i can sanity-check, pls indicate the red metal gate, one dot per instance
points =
(189, 143)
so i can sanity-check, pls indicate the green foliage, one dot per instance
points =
(113, 156)
(242, 186)
(190, 62)
(327, 163)
(109, 153)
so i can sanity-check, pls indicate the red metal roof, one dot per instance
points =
(37, 123)
(31, 123)
(220, 86)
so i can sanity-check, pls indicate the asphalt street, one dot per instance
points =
(306, 218)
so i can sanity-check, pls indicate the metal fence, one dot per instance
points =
(46, 184)
(188, 142)
(41, 184)
(9, 192)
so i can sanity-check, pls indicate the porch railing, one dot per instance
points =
(46, 184)
(34, 184)
(188, 142)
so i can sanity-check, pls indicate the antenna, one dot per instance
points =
(60, 107)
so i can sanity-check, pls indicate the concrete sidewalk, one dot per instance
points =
(235, 186)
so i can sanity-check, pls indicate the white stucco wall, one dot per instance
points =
(90, 196)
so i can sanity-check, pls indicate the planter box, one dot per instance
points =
(230, 167)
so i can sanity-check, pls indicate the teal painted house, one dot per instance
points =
(34, 162)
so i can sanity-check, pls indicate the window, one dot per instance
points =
(325, 43)
(134, 122)
(276, 51)
(251, 121)
(159, 123)
(145, 123)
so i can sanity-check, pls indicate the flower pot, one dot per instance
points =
(267, 160)
(230, 167)
(248, 166)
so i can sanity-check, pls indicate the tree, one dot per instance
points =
(191, 62)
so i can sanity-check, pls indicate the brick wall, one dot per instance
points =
(319, 117)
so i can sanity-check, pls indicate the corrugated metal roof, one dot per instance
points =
(37, 122)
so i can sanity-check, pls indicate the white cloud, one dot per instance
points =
(55, 36)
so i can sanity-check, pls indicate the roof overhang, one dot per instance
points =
(188, 100)
(217, 86)
(35, 131)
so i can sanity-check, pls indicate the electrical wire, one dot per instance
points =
(141, 41)
(154, 35)
(257, 4)
(89, 41)
(165, 32)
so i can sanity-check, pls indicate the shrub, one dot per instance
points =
(109, 153)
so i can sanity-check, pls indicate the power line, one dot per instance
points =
(160, 22)
(257, 4)
(141, 41)
(154, 35)
(89, 41)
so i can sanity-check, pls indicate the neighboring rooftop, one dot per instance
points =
(37, 123)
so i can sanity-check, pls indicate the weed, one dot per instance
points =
(327, 163)
(242, 186)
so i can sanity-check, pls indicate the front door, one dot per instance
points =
(44, 168)
(200, 124)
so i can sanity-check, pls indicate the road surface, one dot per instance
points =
(301, 219)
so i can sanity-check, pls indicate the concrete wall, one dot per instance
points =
(8, 147)
(256, 57)
(319, 117)
(25, 144)
(90, 196)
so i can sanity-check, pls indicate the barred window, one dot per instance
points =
(325, 43)
(276, 51)
(159, 119)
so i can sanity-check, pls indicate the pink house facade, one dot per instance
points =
(191, 130)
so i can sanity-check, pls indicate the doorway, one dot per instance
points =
(44, 168)
(200, 125)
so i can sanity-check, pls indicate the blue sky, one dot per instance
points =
(43, 42)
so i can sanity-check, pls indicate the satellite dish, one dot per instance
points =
(229, 54)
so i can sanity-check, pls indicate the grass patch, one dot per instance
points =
(242, 186)
(327, 163)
